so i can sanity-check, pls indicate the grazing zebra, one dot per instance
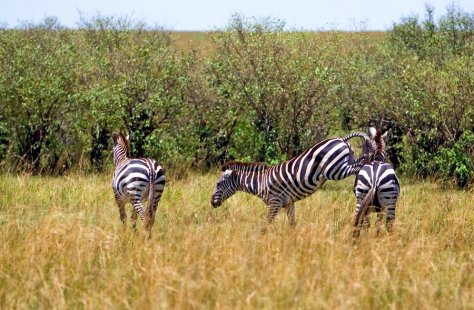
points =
(279, 186)
(376, 186)
(136, 180)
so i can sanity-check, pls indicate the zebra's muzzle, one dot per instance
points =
(215, 201)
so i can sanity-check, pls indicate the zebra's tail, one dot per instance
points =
(369, 198)
(151, 192)
(367, 149)
(359, 134)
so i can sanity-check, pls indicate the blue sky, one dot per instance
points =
(212, 14)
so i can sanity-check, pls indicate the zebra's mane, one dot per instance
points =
(243, 166)
(379, 147)
(378, 138)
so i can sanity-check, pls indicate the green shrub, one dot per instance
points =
(420, 84)
(278, 81)
(38, 91)
(257, 92)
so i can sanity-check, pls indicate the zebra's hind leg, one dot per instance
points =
(134, 219)
(290, 212)
(137, 210)
(390, 218)
(357, 222)
(121, 207)
(366, 223)
(151, 217)
(378, 223)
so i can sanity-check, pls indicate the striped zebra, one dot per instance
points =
(376, 185)
(281, 185)
(136, 180)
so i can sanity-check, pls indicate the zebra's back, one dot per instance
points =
(302, 175)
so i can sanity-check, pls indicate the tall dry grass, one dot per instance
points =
(62, 246)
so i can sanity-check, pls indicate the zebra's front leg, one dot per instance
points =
(290, 212)
(272, 212)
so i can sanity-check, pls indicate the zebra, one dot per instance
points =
(281, 185)
(136, 180)
(377, 186)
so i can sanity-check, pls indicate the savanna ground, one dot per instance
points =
(63, 246)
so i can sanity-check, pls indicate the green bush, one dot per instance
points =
(255, 92)
(38, 92)
(135, 82)
(420, 84)
(3, 140)
(279, 81)
(457, 161)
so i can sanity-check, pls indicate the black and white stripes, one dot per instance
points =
(376, 188)
(135, 181)
(279, 186)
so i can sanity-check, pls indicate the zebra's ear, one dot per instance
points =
(372, 132)
(128, 138)
(385, 136)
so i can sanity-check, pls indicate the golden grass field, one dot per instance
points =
(63, 246)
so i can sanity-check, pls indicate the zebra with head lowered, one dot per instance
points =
(377, 186)
(136, 180)
(281, 185)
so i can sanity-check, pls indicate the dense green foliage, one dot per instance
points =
(420, 84)
(257, 93)
(281, 81)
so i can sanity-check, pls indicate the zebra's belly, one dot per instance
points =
(375, 208)
(297, 189)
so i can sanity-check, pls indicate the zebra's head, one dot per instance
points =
(368, 148)
(379, 142)
(121, 147)
(369, 145)
(226, 186)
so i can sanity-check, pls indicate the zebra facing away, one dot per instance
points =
(376, 186)
(136, 180)
(281, 185)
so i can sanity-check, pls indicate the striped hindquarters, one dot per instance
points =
(133, 179)
(332, 158)
(382, 179)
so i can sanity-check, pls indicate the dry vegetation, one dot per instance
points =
(187, 41)
(62, 246)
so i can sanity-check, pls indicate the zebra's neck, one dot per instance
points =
(120, 159)
(355, 168)
(251, 182)
(379, 156)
